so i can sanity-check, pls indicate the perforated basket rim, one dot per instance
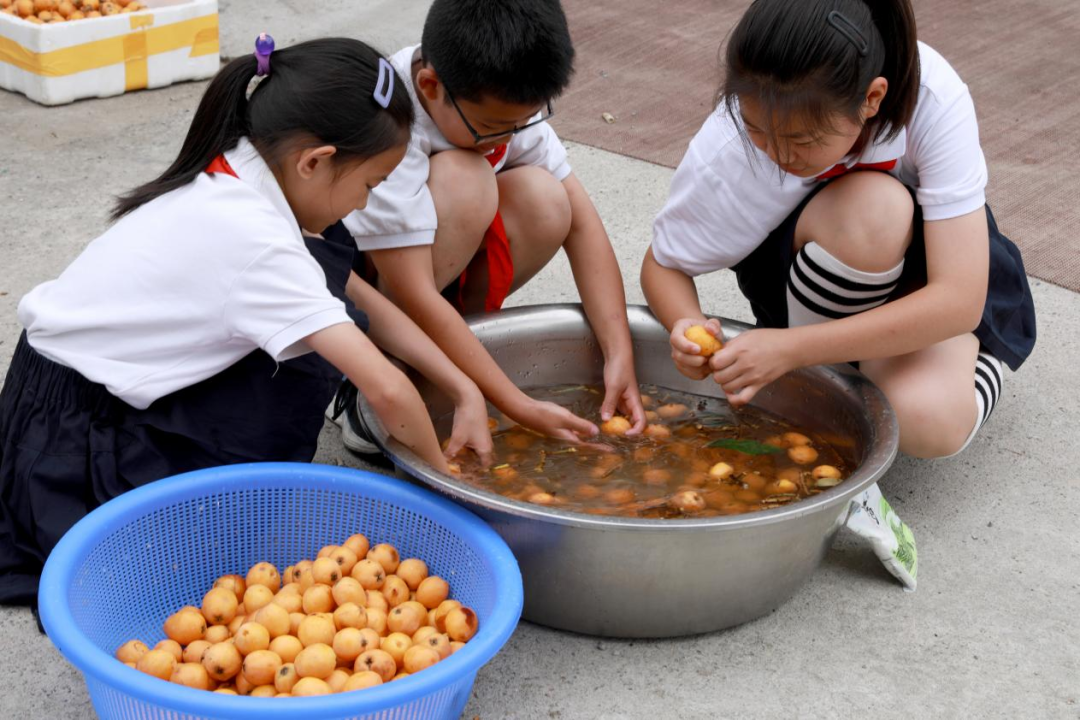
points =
(80, 541)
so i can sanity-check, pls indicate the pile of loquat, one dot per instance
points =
(355, 617)
(51, 12)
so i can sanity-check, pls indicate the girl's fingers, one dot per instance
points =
(728, 375)
(698, 373)
(636, 411)
(567, 436)
(679, 341)
(694, 361)
(743, 396)
(713, 326)
(611, 400)
(681, 344)
(485, 454)
(453, 447)
(576, 441)
(580, 426)
(722, 358)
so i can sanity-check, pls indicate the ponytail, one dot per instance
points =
(321, 92)
(218, 125)
(815, 58)
(895, 23)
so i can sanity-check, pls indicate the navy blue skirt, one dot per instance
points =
(1007, 328)
(67, 445)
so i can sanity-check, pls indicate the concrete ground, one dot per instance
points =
(991, 632)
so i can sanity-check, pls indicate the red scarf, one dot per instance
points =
(841, 169)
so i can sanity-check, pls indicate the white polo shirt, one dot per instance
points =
(184, 287)
(400, 211)
(727, 196)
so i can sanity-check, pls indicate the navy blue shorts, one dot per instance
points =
(1007, 328)
(67, 445)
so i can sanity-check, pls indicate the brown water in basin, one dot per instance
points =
(698, 458)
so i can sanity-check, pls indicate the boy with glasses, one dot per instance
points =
(485, 198)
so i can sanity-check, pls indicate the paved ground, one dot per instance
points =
(991, 633)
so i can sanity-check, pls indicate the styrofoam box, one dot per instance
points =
(170, 41)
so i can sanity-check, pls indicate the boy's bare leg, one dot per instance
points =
(466, 197)
(536, 215)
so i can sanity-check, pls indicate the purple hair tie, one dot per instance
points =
(264, 45)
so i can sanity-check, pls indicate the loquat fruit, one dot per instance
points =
(377, 661)
(316, 630)
(193, 653)
(265, 574)
(192, 675)
(412, 571)
(310, 686)
(131, 651)
(362, 680)
(287, 647)
(261, 666)
(461, 624)
(286, 678)
(251, 637)
(222, 661)
(316, 660)
(159, 663)
(420, 657)
(386, 555)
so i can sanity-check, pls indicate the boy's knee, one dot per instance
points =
(868, 222)
(533, 201)
(462, 185)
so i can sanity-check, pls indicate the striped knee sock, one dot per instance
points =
(988, 384)
(988, 377)
(822, 288)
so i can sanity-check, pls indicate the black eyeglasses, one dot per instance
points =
(478, 138)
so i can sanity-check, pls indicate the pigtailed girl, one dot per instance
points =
(843, 181)
(178, 340)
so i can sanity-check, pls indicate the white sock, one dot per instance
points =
(822, 288)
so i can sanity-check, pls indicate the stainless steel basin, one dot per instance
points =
(629, 577)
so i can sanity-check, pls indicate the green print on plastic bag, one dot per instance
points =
(905, 551)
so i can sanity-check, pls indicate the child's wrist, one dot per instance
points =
(801, 347)
(459, 389)
(518, 407)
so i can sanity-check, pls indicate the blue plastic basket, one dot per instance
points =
(126, 566)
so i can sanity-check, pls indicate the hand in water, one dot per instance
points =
(621, 394)
(471, 429)
(555, 421)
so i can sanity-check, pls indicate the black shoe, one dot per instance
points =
(344, 411)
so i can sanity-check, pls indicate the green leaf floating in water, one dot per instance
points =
(750, 447)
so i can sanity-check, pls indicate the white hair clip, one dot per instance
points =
(384, 90)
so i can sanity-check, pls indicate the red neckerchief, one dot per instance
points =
(221, 165)
(841, 169)
(496, 155)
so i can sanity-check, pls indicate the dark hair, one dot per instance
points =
(799, 58)
(320, 90)
(518, 51)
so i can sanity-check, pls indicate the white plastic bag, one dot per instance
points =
(872, 518)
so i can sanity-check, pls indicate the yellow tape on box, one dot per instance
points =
(132, 49)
